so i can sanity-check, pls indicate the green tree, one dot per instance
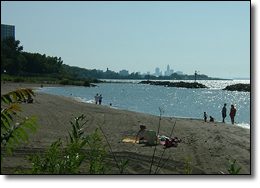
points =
(12, 61)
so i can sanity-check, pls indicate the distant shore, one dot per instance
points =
(208, 144)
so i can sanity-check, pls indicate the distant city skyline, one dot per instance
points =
(157, 72)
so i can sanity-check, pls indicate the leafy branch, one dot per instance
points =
(232, 167)
(12, 132)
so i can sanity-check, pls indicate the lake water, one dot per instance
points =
(175, 102)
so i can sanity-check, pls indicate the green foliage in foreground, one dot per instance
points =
(57, 161)
(232, 167)
(97, 154)
(11, 132)
(187, 160)
(69, 160)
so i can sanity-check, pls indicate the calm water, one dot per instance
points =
(176, 102)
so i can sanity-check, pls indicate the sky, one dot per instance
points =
(210, 37)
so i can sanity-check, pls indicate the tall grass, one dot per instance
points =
(160, 118)
(158, 169)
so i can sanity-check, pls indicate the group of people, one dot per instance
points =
(98, 99)
(232, 114)
(211, 119)
(152, 139)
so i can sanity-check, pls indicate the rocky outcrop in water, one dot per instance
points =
(238, 87)
(193, 85)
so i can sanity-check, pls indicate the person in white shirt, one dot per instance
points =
(96, 98)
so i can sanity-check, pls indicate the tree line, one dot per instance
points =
(16, 62)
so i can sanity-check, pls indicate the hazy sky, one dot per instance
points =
(210, 37)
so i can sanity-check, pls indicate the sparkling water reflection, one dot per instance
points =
(176, 102)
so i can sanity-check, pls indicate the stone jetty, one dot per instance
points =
(238, 87)
(193, 85)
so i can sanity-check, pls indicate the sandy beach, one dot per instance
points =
(208, 144)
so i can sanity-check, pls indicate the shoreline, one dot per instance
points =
(208, 144)
(79, 99)
(242, 125)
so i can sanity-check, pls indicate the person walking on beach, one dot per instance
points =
(224, 113)
(232, 113)
(100, 99)
(96, 98)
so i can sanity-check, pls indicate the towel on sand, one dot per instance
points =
(129, 140)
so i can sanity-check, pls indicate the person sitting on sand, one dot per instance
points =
(211, 119)
(140, 133)
(30, 100)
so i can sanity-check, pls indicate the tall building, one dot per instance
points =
(168, 70)
(157, 71)
(124, 72)
(7, 30)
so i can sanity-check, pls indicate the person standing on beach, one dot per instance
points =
(100, 99)
(232, 113)
(224, 113)
(205, 117)
(96, 98)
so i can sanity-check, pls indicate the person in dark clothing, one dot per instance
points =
(224, 112)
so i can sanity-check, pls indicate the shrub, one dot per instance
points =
(58, 161)
(18, 79)
(64, 81)
(86, 83)
(6, 77)
(97, 154)
(187, 160)
(232, 167)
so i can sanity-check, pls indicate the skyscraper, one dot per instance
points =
(169, 71)
(7, 30)
(157, 71)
